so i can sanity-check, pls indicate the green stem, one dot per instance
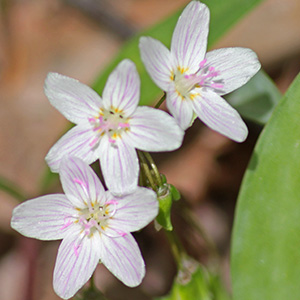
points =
(11, 189)
(159, 103)
(154, 168)
(176, 247)
(146, 170)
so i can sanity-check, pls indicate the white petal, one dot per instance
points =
(75, 263)
(44, 218)
(122, 89)
(76, 142)
(80, 182)
(75, 100)
(235, 65)
(180, 108)
(134, 211)
(189, 39)
(157, 60)
(154, 130)
(119, 165)
(123, 258)
(217, 114)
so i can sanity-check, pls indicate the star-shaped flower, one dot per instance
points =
(110, 128)
(93, 225)
(195, 81)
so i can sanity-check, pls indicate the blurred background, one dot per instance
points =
(78, 38)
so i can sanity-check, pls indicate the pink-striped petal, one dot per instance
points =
(154, 130)
(189, 39)
(122, 89)
(80, 183)
(123, 258)
(133, 211)
(157, 60)
(76, 261)
(217, 114)
(76, 142)
(234, 65)
(75, 100)
(45, 218)
(119, 165)
(180, 108)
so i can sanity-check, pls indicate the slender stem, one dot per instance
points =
(154, 168)
(11, 189)
(159, 103)
(176, 247)
(146, 170)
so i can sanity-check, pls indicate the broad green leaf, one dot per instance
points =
(224, 14)
(257, 99)
(266, 238)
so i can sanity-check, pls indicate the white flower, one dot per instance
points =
(195, 81)
(93, 224)
(110, 128)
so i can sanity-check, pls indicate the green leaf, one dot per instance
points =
(257, 99)
(224, 14)
(266, 238)
(195, 282)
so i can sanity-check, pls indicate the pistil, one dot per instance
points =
(110, 122)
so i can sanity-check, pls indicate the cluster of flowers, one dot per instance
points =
(94, 224)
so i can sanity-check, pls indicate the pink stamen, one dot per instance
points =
(93, 142)
(123, 125)
(92, 119)
(69, 222)
(217, 85)
(112, 202)
(121, 233)
(202, 63)
(111, 140)
(79, 181)
(97, 128)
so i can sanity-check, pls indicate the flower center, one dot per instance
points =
(96, 217)
(205, 77)
(111, 122)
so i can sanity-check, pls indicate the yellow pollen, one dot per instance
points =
(182, 69)
(192, 96)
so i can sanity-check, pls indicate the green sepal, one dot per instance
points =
(163, 178)
(165, 204)
(175, 193)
